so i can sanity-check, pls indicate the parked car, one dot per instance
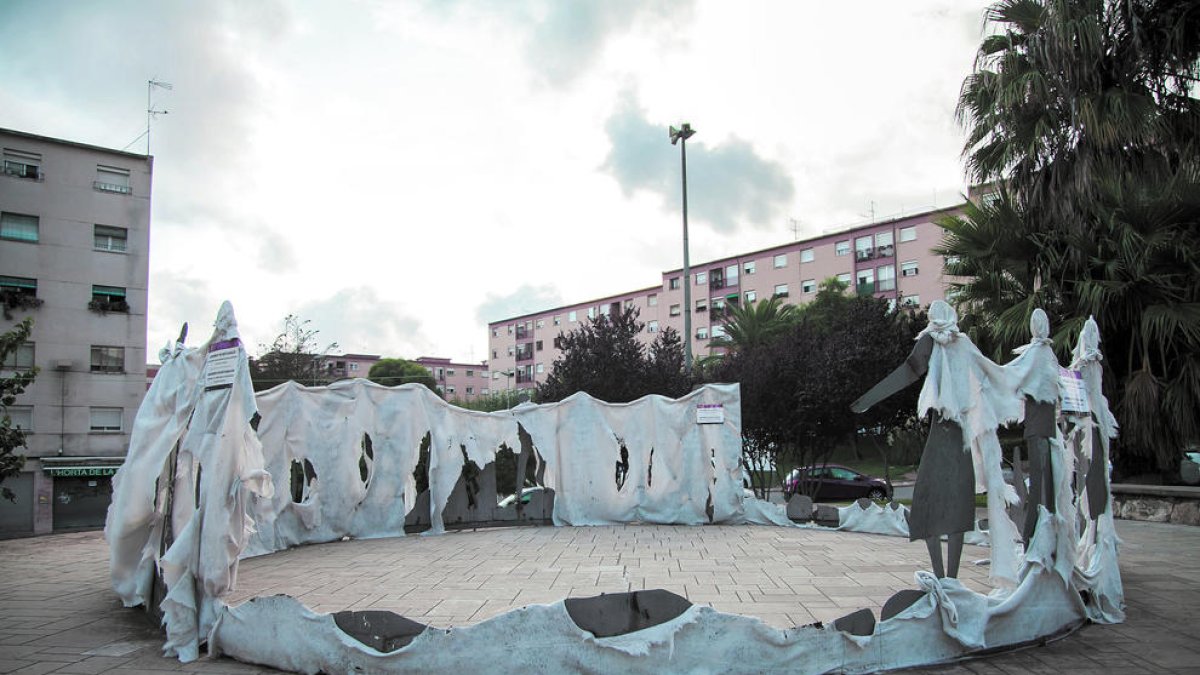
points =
(526, 495)
(834, 481)
(1189, 468)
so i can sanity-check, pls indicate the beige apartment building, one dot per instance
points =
(890, 259)
(74, 256)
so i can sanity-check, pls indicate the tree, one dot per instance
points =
(754, 323)
(295, 354)
(605, 359)
(1084, 112)
(797, 386)
(394, 372)
(11, 438)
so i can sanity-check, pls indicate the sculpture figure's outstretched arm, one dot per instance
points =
(912, 370)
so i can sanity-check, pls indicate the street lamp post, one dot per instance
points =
(681, 135)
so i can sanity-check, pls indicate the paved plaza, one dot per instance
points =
(58, 614)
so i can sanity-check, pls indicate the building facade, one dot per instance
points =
(74, 256)
(348, 366)
(459, 381)
(890, 259)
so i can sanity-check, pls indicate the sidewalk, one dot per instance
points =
(58, 614)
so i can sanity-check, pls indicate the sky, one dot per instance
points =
(401, 173)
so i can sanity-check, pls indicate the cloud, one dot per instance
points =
(275, 252)
(572, 34)
(362, 322)
(174, 299)
(729, 185)
(524, 300)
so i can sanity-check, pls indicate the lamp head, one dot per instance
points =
(684, 132)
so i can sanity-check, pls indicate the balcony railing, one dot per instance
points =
(866, 288)
(885, 251)
(112, 187)
(885, 285)
(523, 378)
(716, 282)
(864, 253)
(522, 333)
(524, 355)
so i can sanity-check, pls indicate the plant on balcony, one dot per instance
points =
(14, 300)
(106, 306)
(12, 438)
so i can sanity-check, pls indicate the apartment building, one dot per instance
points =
(74, 255)
(889, 259)
(348, 366)
(460, 381)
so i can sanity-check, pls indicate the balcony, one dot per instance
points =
(885, 251)
(867, 288)
(522, 333)
(525, 354)
(864, 254)
(715, 281)
(716, 314)
(524, 378)
(885, 285)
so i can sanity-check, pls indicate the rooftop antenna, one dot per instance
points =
(795, 228)
(872, 211)
(150, 111)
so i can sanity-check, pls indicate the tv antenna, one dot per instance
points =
(795, 222)
(151, 113)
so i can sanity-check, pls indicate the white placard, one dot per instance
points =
(220, 367)
(710, 413)
(1074, 396)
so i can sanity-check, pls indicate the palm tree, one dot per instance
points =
(754, 323)
(1082, 110)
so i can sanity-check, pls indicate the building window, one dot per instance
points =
(495, 354)
(718, 305)
(808, 286)
(606, 310)
(951, 261)
(781, 260)
(911, 301)
(112, 179)
(702, 305)
(673, 284)
(470, 373)
(510, 329)
(652, 327)
(751, 296)
(908, 234)
(114, 239)
(557, 319)
(495, 332)
(21, 416)
(731, 275)
(511, 350)
(883, 239)
(108, 299)
(701, 278)
(781, 291)
(572, 316)
(541, 323)
(885, 278)
(470, 391)
(674, 310)
(106, 419)
(450, 389)
(495, 374)
(591, 312)
(19, 292)
(23, 164)
(449, 371)
(18, 227)
(749, 268)
(19, 359)
(652, 300)
(807, 255)
(353, 367)
(842, 247)
(718, 331)
(910, 268)
(541, 368)
(866, 281)
(484, 392)
(537, 345)
(844, 278)
(107, 359)
(702, 333)
(863, 249)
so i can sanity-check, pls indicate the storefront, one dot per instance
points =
(82, 490)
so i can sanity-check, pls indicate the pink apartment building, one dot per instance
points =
(348, 366)
(459, 381)
(890, 259)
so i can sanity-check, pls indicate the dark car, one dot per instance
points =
(836, 482)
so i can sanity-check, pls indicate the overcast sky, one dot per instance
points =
(401, 173)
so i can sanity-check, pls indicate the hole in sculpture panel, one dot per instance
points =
(366, 461)
(302, 477)
(622, 465)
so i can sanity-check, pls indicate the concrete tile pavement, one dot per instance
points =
(58, 614)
